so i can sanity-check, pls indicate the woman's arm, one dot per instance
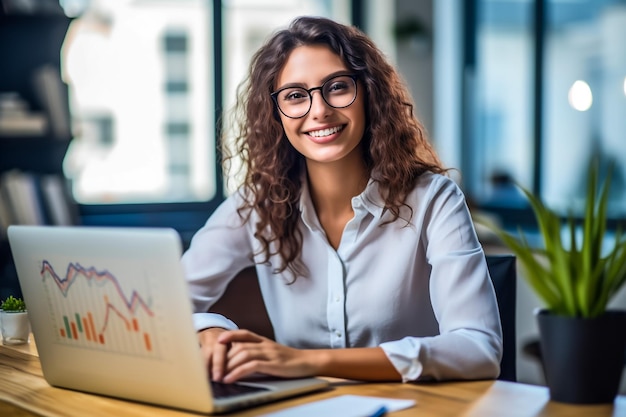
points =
(249, 353)
(365, 364)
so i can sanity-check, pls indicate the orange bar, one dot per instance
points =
(146, 339)
(74, 330)
(87, 329)
(135, 325)
(101, 337)
(62, 332)
(92, 326)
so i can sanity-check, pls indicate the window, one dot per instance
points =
(544, 94)
(584, 108)
(140, 82)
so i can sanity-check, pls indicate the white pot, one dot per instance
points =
(15, 327)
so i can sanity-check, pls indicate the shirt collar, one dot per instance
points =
(370, 199)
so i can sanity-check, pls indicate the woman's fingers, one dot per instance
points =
(214, 352)
(218, 361)
(266, 357)
(240, 353)
(247, 369)
(235, 354)
(234, 336)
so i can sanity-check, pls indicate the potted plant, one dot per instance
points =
(14, 321)
(582, 342)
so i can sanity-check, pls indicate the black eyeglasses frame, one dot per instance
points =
(309, 91)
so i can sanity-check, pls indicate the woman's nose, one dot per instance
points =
(319, 107)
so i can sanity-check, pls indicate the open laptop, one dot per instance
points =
(111, 315)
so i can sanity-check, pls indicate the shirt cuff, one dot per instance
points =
(404, 356)
(203, 321)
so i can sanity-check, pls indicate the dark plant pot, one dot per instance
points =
(583, 358)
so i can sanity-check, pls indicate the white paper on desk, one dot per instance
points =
(344, 406)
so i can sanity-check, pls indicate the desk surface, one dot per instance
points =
(25, 393)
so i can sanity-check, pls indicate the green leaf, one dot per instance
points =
(576, 279)
(534, 270)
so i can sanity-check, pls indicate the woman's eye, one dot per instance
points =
(294, 95)
(337, 86)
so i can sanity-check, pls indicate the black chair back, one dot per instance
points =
(504, 277)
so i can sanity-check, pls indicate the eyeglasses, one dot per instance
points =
(295, 102)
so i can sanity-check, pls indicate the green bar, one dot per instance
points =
(79, 323)
(68, 330)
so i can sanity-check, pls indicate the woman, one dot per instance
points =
(366, 255)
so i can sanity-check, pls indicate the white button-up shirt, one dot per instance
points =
(417, 287)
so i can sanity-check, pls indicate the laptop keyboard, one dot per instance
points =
(221, 390)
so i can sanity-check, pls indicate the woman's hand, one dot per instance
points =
(249, 353)
(214, 352)
(234, 354)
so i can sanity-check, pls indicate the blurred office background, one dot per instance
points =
(511, 91)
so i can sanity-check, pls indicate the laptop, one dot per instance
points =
(111, 315)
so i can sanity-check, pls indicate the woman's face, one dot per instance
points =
(325, 134)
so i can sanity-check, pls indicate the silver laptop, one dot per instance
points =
(111, 315)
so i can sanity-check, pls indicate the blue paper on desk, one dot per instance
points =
(344, 406)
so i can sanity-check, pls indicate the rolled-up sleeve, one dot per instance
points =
(404, 355)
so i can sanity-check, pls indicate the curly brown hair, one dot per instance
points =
(395, 147)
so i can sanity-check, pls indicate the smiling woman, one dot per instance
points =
(364, 249)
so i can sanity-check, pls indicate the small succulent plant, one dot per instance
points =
(12, 304)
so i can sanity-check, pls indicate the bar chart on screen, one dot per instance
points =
(93, 309)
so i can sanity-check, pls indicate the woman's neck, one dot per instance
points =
(332, 185)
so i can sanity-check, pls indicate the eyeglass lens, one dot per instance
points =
(337, 92)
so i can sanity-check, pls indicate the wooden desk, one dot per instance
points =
(24, 393)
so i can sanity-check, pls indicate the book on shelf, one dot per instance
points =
(60, 208)
(53, 97)
(33, 124)
(5, 215)
(16, 119)
(20, 190)
(28, 198)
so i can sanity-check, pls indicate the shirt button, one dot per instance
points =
(337, 299)
(338, 334)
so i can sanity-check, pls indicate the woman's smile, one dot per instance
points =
(325, 135)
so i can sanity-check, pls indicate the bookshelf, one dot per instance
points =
(34, 126)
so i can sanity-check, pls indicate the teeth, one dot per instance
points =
(325, 132)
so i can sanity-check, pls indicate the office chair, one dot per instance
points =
(504, 277)
(244, 291)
